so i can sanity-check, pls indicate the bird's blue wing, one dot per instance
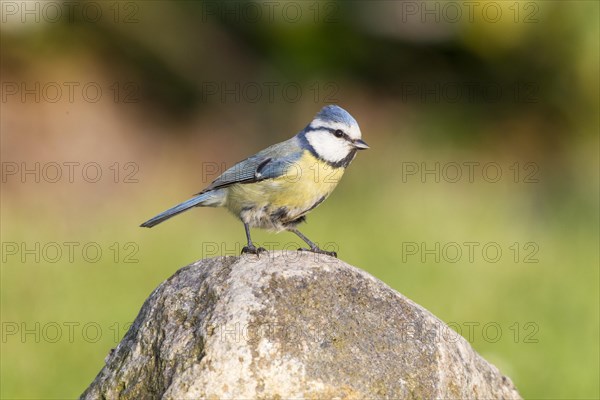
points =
(272, 168)
(266, 164)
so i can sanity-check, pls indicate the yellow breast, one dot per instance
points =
(306, 183)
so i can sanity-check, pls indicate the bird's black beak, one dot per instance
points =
(360, 144)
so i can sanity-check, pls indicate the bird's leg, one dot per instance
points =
(251, 248)
(313, 247)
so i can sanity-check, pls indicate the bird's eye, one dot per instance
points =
(338, 133)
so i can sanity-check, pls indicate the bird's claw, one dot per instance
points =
(319, 251)
(253, 250)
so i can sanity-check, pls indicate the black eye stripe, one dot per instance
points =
(331, 130)
(342, 136)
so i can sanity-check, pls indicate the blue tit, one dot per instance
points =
(275, 188)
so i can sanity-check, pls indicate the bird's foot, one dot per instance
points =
(319, 251)
(253, 250)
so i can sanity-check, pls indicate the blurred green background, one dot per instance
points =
(482, 119)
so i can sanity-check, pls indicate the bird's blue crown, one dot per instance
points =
(333, 113)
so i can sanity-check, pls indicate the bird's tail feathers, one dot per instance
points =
(199, 200)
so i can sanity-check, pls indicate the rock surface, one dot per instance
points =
(290, 325)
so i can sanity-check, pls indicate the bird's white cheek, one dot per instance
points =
(329, 148)
(334, 153)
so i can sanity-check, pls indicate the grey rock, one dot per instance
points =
(290, 325)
